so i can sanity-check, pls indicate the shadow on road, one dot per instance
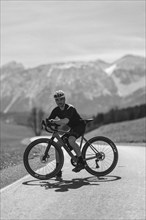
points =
(65, 185)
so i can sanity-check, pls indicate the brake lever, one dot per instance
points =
(49, 124)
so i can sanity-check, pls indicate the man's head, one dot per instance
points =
(59, 97)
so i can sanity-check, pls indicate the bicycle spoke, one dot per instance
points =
(93, 159)
(36, 162)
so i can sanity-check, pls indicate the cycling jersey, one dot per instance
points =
(68, 112)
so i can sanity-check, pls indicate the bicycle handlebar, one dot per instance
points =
(47, 124)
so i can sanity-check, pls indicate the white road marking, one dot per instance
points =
(25, 177)
(14, 183)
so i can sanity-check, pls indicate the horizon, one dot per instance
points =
(71, 61)
(39, 32)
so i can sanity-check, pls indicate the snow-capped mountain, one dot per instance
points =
(128, 74)
(92, 87)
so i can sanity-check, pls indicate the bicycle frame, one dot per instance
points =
(56, 135)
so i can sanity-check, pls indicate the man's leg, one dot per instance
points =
(56, 154)
(58, 175)
(75, 146)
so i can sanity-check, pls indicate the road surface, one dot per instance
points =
(119, 195)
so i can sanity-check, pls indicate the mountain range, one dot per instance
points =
(91, 86)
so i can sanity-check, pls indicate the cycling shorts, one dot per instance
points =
(76, 131)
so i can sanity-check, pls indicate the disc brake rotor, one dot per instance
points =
(44, 159)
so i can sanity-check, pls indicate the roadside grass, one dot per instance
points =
(124, 132)
(12, 148)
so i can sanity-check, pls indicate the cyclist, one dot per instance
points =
(66, 114)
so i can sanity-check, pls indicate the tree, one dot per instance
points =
(35, 119)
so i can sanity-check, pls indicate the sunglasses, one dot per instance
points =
(59, 99)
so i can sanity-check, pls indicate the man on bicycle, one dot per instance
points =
(66, 114)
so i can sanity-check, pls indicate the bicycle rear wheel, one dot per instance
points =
(35, 163)
(100, 155)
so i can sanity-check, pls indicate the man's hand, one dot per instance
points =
(51, 120)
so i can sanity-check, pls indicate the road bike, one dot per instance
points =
(99, 153)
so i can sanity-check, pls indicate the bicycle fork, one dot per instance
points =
(45, 156)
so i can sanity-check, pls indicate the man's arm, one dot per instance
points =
(52, 115)
(59, 121)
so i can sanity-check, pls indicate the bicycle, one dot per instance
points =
(99, 153)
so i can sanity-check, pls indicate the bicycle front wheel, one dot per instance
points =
(100, 155)
(39, 166)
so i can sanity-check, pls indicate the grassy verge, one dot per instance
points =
(11, 151)
(124, 132)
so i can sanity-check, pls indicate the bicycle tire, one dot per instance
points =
(96, 167)
(32, 159)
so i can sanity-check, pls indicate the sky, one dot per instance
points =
(40, 32)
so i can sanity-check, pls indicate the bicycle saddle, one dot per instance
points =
(88, 120)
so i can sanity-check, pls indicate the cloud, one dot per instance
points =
(38, 31)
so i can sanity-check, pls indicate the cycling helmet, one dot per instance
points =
(59, 94)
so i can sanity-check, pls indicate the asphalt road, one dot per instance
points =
(119, 195)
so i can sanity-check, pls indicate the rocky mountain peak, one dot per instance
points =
(90, 86)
